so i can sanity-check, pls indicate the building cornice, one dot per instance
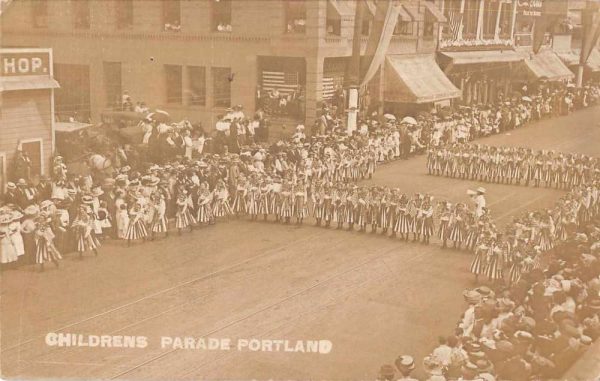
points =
(153, 36)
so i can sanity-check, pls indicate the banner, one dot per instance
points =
(591, 32)
(384, 22)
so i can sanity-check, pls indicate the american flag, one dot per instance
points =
(284, 82)
(455, 23)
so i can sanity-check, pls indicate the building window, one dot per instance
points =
(366, 27)
(505, 20)
(403, 28)
(471, 15)
(174, 82)
(124, 11)
(295, 16)
(172, 15)
(81, 14)
(428, 25)
(112, 84)
(72, 99)
(221, 86)
(197, 83)
(221, 15)
(39, 13)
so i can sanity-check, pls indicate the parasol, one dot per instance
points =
(409, 120)
(159, 116)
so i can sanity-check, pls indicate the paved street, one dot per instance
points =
(373, 297)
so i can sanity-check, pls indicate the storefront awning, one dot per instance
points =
(70, 126)
(416, 79)
(435, 12)
(27, 83)
(337, 9)
(593, 62)
(546, 64)
(569, 58)
(483, 57)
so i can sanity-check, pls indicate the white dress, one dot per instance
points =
(7, 250)
(16, 237)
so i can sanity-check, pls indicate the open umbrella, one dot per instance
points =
(159, 116)
(526, 99)
(409, 120)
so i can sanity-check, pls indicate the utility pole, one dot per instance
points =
(353, 70)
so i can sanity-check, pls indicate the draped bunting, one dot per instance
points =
(386, 17)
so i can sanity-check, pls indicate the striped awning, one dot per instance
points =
(546, 64)
(27, 83)
(416, 79)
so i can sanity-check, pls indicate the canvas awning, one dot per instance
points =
(70, 126)
(434, 11)
(546, 64)
(570, 58)
(483, 56)
(593, 62)
(33, 82)
(337, 10)
(416, 79)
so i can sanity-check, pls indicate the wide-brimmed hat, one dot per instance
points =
(11, 186)
(405, 362)
(480, 190)
(97, 191)
(31, 210)
(46, 203)
(22, 182)
(87, 199)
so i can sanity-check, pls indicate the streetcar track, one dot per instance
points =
(296, 294)
(157, 293)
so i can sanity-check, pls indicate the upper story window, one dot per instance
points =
(506, 21)
(81, 14)
(295, 16)
(221, 15)
(197, 85)
(172, 15)
(403, 28)
(221, 86)
(471, 15)
(428, 25)
(124, 11)
(174, 84)
(39, 13)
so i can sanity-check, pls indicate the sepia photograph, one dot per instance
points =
(302, 190)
